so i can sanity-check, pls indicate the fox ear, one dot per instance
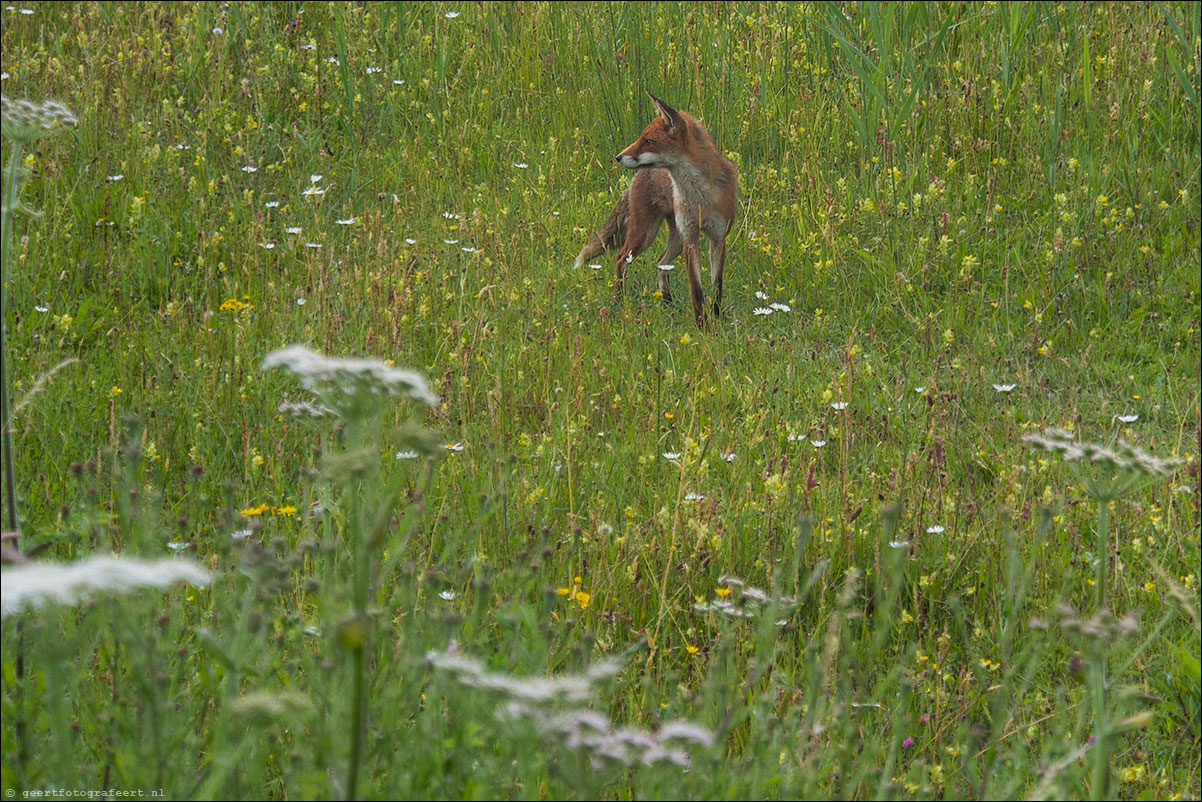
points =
(669, 115)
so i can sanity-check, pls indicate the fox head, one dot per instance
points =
(660, 143)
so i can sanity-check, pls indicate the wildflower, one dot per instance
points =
(454, 446)
(761, 310)
(410, 241)
(1128, 418)
(780, 307)
(1124, 457)
(35, 584)
(693, 497)
(542, 690)
(300, 301)
(346, 222)
(24, 121)
(666, 268)
(294, 229)
(114, 178)
(935, 530)
(898, 544)
(670, 455)
(520, 165)
(304, 408)
(250, 168)
(451, 14)
(691, 649)
(272, 204)
(817, 443)
(906, 744)
(1004, 388)
(839, 406)
(406, 455)
(314, 190)
(447, 595)
(594, 267)
(334, 377)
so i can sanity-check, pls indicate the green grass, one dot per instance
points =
(947, 197)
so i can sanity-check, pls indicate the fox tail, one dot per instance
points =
(610, 234)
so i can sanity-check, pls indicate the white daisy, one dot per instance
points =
(934, 530)
(1004, 388)
(1128, 418)
(761, 310)
(839, 405)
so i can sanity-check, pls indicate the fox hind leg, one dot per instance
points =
(675, 244)
(638, 239)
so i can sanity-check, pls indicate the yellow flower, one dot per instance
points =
(723, 592)
(583, 599)
(691, 649)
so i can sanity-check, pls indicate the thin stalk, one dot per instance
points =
(1101, 559)
(6, 235)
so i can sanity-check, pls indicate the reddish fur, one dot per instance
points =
(682, 178)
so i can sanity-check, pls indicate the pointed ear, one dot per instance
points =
(670, 116)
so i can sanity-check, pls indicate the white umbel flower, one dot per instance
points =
(36, 584)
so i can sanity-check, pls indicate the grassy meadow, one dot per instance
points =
(805, 553)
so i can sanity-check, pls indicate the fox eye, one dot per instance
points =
(648, 141)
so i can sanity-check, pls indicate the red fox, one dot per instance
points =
(682, 178)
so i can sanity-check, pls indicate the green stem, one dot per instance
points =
(6, 235)
(1101, 554)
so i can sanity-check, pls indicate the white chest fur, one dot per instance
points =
(695, 198)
